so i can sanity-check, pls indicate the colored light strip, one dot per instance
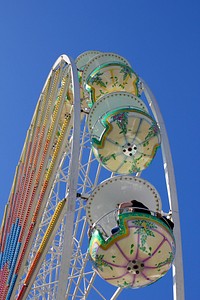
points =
(31, 178)
(43, 245)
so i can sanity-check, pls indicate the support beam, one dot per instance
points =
(177, 269)
(71, 193)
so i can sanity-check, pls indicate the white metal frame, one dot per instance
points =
(65, 272)
(177, 270)
(73, 180)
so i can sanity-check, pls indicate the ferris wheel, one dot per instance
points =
(80, 211)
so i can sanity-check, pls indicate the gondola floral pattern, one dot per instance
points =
(121, 120)
(138, 255)
(111, 78)
(129, 141)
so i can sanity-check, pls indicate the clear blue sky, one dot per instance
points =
(161, 39)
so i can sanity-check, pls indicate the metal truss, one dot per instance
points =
(81, 277)
(64, 270)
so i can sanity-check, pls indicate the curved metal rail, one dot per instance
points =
(177, 270)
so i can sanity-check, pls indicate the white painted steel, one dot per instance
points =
(66, 272)
(51, 282)
(177, 269)
(116, 294)
(73, 180)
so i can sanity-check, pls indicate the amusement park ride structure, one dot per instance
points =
(96, 127)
